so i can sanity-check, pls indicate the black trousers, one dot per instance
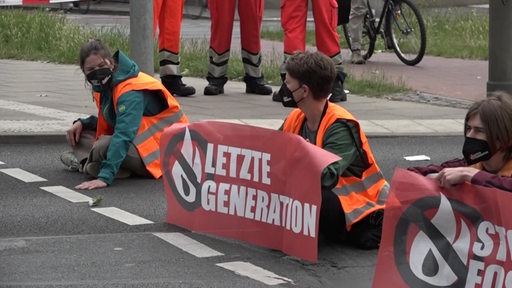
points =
(364, 234)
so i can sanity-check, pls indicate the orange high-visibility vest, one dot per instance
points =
(358, 196)
(147, 140)
(506, 170)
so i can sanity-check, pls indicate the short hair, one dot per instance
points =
(313, 69)
(95, 47)
(496, 115)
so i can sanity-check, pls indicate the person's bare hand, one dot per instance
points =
(73, 133)
(93, 184)
(453, 176)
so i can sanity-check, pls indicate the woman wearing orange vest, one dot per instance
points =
(133, 110)
(487, 148)
(353, 189)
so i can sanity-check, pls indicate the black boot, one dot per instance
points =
(215, 85)
(338, 92)
(277, 96)
(256, 85)
(174, 84)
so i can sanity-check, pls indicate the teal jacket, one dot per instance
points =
(131, 106)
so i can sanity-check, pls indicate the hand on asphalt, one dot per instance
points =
(93, 184)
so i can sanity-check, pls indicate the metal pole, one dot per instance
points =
(500, 46)
(141, 34)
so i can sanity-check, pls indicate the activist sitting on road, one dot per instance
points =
(133, 110)
(487, 148)
(353, 189)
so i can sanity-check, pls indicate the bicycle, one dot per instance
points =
(400, 25)
(194, 9)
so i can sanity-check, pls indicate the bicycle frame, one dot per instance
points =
(376, 30)
(389, 5)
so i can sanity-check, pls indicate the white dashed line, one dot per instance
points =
(254, 272)
(22, 175)
(188, 245)
(122, 216)
(67, 194)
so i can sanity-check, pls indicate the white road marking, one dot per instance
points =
(122, 216)
(22, 175)
(67, 194)
(416, 158)
(188, 245)
(254, 272)
(2, 163)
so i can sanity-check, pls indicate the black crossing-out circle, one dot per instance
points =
(173, 155)
(414, 215)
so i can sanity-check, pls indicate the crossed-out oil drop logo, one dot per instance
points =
(439, 235)
(184, 157)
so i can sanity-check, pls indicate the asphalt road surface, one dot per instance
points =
(50, 238)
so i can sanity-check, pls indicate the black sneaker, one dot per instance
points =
(215, 85)
(256, 86)
(212, 89)
(174, 84)
(277, 96)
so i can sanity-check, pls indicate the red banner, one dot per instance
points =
(243, 182)
(434, 237)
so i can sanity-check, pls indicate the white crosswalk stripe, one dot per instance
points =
(254, 272)
(188, 244)
(122, 216)
(22, 175)
(67, 194)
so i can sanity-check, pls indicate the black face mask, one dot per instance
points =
(476, 150)
(287, 99)
(99, 77)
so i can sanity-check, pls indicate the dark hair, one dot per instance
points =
(95, 47)
(496, 115)
(313, 69)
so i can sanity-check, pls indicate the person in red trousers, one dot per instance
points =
(222, 14)
(167, 17)
(293, 20)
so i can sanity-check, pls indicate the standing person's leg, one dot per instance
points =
(325, 14)
(251, 16)
(222, 15)
(355, 24)
(294, 15)
(170, 14)
(132, 163)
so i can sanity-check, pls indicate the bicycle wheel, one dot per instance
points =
(406, 31)
(194, 9)
(368, 38)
